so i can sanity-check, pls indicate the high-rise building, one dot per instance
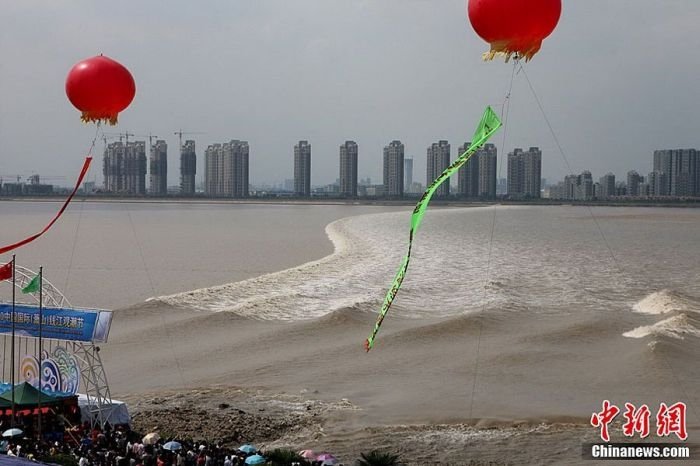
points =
(487, 157)
(533, 173)
(657, 184)
(302, 169)
(571, 183)
(236, 168)
(502, 186)
(468, 175)
(644, 189)
(159, 168)
(348, 169)
(438, 161)
(137, 167)
(213, 170)
(633, 181)
(124, 168)
(393, 169)
(585, 186)
(525, 173)
(408, 174)
(581, 187)
(113, 167)
(477, 177)
(227, 166)
(188, 168)
(681, 169)
(515, 173)
(607, 186)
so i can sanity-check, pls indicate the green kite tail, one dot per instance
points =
(488, 125)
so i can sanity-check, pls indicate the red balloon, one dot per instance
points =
(100, 88)
(514, 26)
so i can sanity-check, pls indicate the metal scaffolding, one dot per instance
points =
(92, 372)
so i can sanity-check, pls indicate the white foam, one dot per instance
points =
(663, 302)
(367, 251)
(678, 327)
(454, 270)
(307, 291)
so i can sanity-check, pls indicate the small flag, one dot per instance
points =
(32, 287)
(6, 271)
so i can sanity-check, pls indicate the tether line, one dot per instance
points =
(505, 112)
(616, 264)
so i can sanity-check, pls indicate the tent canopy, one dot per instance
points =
(115, 413)
(27, 395)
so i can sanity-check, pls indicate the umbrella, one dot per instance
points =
(12, 433)
(308, 454)
(327, 458)
(248, 449)
(172, 446)
(151, 439)
(255, 459)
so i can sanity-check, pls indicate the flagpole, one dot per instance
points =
(41, 349)
(12, 367)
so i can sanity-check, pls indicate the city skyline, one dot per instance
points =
(676, 174)
(605, 121)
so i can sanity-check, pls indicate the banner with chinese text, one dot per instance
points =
(58, 323)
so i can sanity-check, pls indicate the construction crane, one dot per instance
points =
(120, 136)
(127, 135)
(150, 137)
(180, 133)
(36, 178)
(106, 138)
(18, 177)
(32, 179)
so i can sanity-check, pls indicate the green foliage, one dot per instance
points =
(284, 457)
(378, 458)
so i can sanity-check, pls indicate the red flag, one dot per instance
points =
(6, 271)
(10, 247)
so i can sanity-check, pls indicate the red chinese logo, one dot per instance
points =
(637, 420)
(605, 417)
(669, 420)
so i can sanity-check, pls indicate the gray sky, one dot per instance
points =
(618, 79)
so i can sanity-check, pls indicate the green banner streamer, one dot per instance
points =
(488, 125)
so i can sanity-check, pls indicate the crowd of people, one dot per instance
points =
(92, 446)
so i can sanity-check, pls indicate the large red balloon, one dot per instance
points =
(514, 26)
(100, 88)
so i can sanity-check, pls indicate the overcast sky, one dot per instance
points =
(618, 79)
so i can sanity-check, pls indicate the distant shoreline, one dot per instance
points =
(350, 202)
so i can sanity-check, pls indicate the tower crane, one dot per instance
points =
(180, 133)
(120, 136)
(151, 136)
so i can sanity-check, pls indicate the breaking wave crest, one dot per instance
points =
(681, 312)
(367, 250)
(293, 294)
(678, 327)
(665, 301)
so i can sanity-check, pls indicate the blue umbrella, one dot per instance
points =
(255, 459)
(248, 449)
(172, 446)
